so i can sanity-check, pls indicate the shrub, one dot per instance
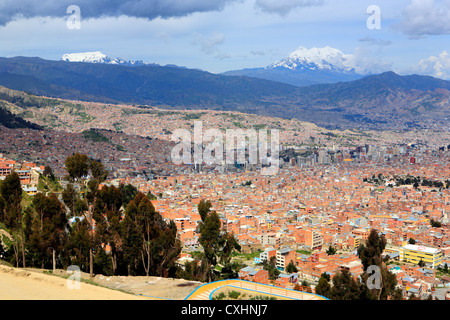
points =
(234, 294)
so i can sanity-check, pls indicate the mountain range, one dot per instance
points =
(301, 68)
(148, 84)
(307, 67)
(384, 101)
(98, 57)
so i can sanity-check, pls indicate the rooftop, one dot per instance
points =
(421, 248)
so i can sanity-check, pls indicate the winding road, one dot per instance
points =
(205, 291)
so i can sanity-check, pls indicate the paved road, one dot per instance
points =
(204, 292)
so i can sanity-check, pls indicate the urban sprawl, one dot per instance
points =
(321, 198)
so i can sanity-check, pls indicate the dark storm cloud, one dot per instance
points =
(150, 9)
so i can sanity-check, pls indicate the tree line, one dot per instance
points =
(108, 230)
(410, 180)
(344, 286)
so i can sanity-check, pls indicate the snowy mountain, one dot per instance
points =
(307, 67)
(98, 57)
(316, 59)
(385, 101)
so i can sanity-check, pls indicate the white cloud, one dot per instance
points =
(425, 17)
(375, 42)
(435, 66)
(209, 44)
(366, 61)
(283, 7)
(257, 53)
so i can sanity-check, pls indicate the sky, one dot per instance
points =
(407, 36)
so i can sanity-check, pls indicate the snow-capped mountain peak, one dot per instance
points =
(326, 58)
(97, 57)
(93, 57)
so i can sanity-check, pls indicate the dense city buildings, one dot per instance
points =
(311, 205)
(323, 197)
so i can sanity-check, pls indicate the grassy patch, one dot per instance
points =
(26, 199)
(259, 126)
(84, 117)
(94, 136)
(193, 116)
(4, 263)
(196, 254)
(83, 280)
(234, 294)
(120, 148)
(237, 294)
(48, 185)
(232, 116)
(157, 113)
(117, 126)
(246, 256)
(220, 296)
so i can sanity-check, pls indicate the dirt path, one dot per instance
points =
(156, 287)
(17, 284)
